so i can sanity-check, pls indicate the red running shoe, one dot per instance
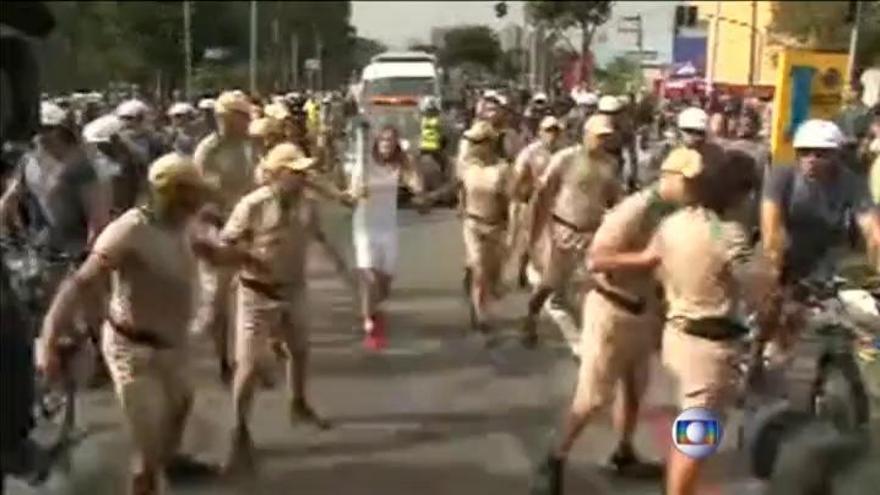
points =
(374, 327)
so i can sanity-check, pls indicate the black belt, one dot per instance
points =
(138, 335)
(630, 304)
(562, 221)
(714, 328)
(485, 220)
(272, 291)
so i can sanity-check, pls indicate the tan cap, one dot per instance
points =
(480, 131)
(233, 101)
(690, 162)
(264, 126)
(599, 125)
(550, 122)
(289, 156)
(277, 111)
(175, 169)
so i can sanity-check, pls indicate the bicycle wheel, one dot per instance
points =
(840, 395)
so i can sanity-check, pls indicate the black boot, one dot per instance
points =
(548, 478)
(625, 462)
(529, 332)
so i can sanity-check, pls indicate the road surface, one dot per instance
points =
(434, 414)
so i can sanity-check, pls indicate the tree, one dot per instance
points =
(365, 49)
(621, 75)
(475, 44)
(586, 16)
(826, 25)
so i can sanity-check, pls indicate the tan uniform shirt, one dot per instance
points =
(699, 253)
(626, 228)
(485, 189)
(583, 187)
(275, 234)
(153, 278)
(531, 164)
(227, 164)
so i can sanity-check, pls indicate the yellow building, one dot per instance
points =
(730, 37)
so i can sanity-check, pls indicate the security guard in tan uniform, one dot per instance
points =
(484, 182)
(579, 185)
(622, 320)
(150, 253)
(271, 303)
(706, 267)
(224, 158)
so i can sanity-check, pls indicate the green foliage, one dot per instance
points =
(566, 15)
(823, 25)
(474, 44)
(96, 42)
(621, 75)
(365, 49)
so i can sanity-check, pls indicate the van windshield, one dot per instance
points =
(400, 86)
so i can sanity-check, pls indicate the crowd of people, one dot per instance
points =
(648, 232)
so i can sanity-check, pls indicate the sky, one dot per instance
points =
(396, 23)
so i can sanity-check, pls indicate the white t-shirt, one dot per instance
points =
(871, 86)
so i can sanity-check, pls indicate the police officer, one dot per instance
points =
(625, 148)
(622, 320)
(578, 186)
(225, 160)
(150, 252)
(432, 141)
(271, 303)
(181, 136)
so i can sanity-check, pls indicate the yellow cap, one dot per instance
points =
(233, 101)
(175, 169)
(599, 125)
(289, 156)
(264, 126)
(480, 131)
(277, 111)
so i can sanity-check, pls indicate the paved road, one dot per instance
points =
(435, 414)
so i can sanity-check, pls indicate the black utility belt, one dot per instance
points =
(485, 221)
(631, 304)
(714, 328)
(270, 290)
(572, 226)
(138, 335)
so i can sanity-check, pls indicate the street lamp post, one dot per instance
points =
(253, 64)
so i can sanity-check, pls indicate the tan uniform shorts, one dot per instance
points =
(262, 320)
(564, 255)
(706, 370)
(153, 387)
(615, 345)
(484, 246)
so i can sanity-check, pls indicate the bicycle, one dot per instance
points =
(33, 272)
(822, 382)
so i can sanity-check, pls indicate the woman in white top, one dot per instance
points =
(375, 181)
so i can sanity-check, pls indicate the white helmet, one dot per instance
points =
(181, 108)
(693, 119)
(587, 99)
(132, 108)
(51, 115)
(102, 129)
(818, 133)
(609, 104)
(539, 98)
(429, 103)
(206, 104)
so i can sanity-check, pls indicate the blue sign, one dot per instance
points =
(690, 49)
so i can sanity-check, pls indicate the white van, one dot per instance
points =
(399, 79)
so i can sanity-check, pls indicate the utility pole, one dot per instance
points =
(253, 65)
(853, 45)
(187, 50)
(753, 35)
(716, 23)
(294, 59)
(319, 74)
